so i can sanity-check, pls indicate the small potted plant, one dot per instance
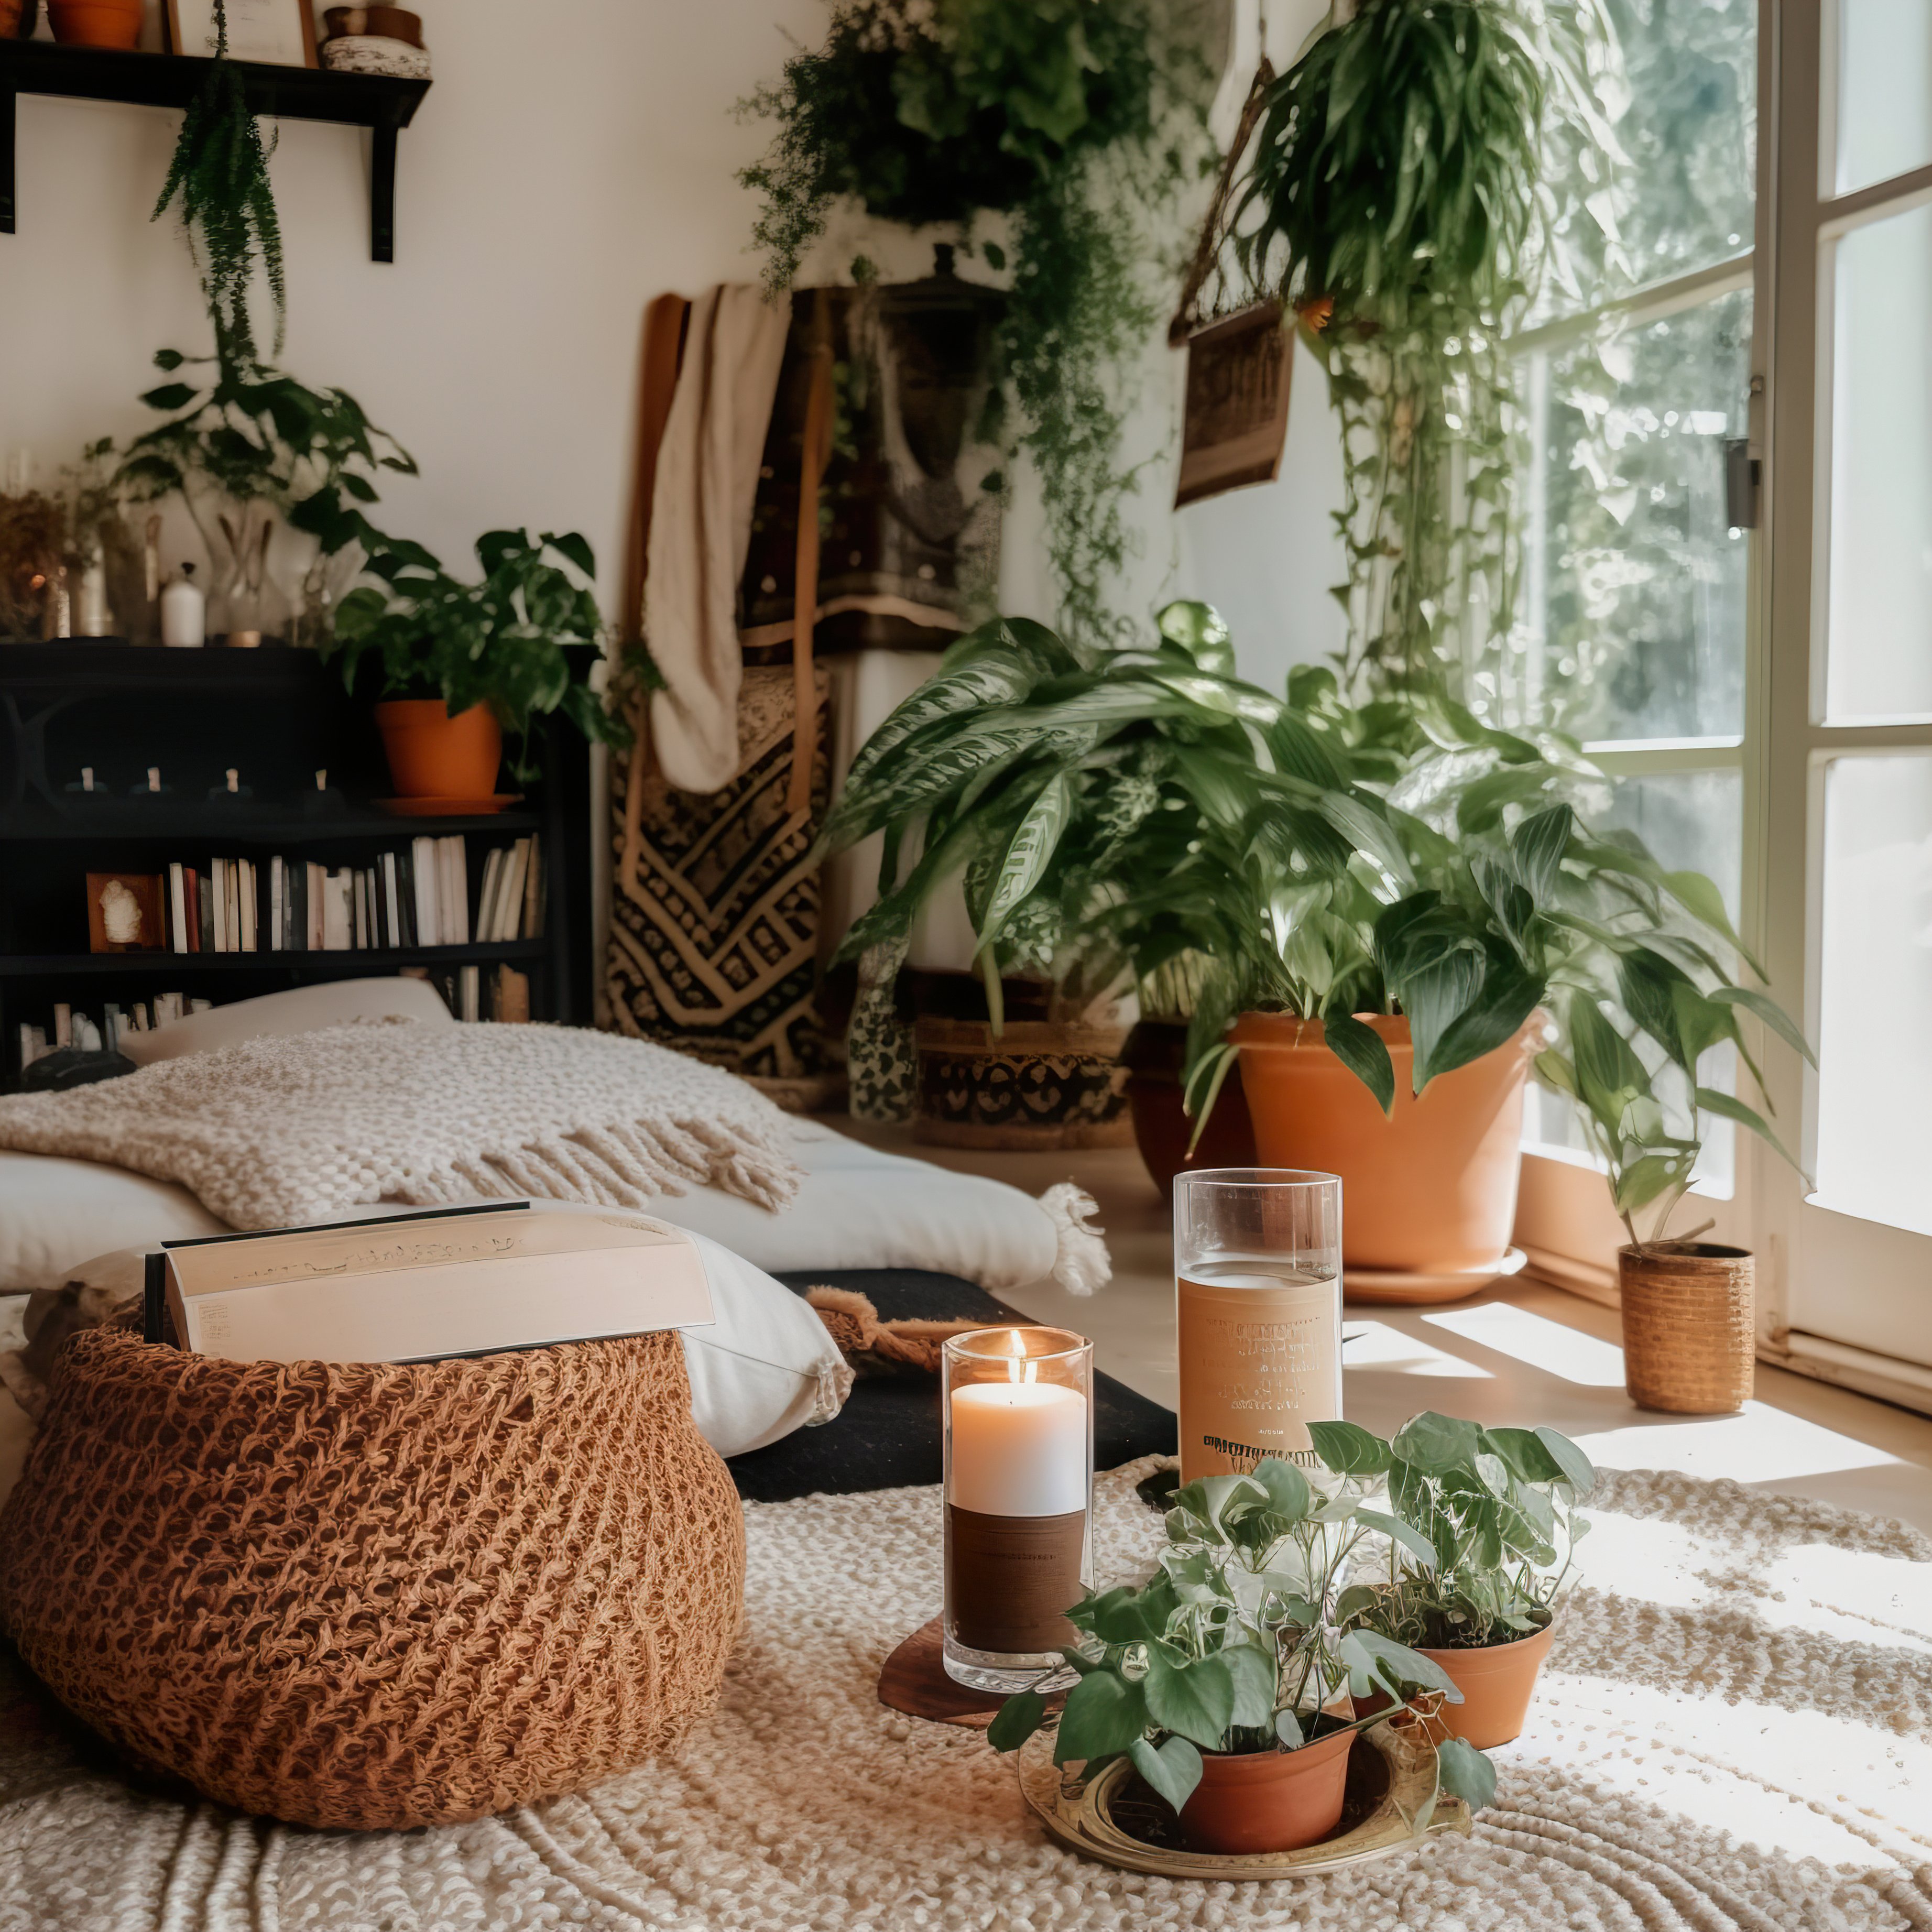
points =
(1482, 1530)
(461, 663)
(1226, 1677)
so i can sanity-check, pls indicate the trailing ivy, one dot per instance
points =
(220, 176)
(1079, 123)
(1398, 198)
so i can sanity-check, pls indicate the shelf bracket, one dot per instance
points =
(7, 98)
(382, 190)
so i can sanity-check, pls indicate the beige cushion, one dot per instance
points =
(306, 1009)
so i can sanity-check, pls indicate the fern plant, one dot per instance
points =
(219, 176)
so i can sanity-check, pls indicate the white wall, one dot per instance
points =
(556, 177)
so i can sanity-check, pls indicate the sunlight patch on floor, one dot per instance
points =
(1762, 1444)
(1556, 1348)
(1374, 1345)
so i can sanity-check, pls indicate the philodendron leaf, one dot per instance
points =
(1288, 1494)
(1364, 1052)
(1579, 1471)
(1253, 1673)
(1348, 1449)
(1523, 1451)
(1016, 1720)
(1716, 1102)
(1438, 1442)
(1465, 1773)
(1288, 1729)
(1412, 1540)
(1196, 1699)
(1770, 1011)
(1174, 1770)
(1104, 1715)
(1376, 1662)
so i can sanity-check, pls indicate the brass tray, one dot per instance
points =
(1117, 1820)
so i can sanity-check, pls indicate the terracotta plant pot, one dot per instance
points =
(1268, 1801)
(1153, 1056)
(1690, 1315)
(97, 23)
(1036, 1083)
(1497, 1683)
(433, 755)
(1431, 1190)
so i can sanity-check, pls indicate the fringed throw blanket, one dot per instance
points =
(276, 1131)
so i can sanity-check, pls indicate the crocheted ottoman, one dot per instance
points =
(376, 1596)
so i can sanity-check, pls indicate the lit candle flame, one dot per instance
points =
(1018, 1368)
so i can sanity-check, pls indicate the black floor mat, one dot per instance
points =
(888, 1432)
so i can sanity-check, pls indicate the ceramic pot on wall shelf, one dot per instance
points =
(1430, 1190)
(1690, 1321)
(97, 23)
(432, 755)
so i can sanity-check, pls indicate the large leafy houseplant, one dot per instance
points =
(1316, 858)
(1076, 122)
(1399, 198)
(1233, 1644)
(500, 641)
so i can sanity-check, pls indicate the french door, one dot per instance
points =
(1845, 857)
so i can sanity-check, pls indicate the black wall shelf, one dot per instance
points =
(381, 102)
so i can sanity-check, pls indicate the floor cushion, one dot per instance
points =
(376, 1596)
(887, 1434)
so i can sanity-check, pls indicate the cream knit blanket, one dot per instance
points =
(273, 1132)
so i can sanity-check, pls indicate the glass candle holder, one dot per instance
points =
(1258, 1292)
(1017, 1405)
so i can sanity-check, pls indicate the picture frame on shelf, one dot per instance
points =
(278, 33)
(126, 913)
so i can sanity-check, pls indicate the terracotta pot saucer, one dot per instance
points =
(1394, 1286)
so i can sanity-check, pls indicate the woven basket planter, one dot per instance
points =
(1035, 1084)
(373, 1596)
(1690, 1314)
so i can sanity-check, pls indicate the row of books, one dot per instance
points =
(501, 994)
(415, 897)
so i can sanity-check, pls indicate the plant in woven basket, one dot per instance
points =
(1309, 856)
(500, 641)
(1398, 198)
(1234, 1646)
(1482, 1527)
(220, 176)
(1081, 124)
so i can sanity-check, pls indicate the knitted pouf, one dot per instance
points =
(372, 1596)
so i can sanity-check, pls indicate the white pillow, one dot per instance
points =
(306, 1009)
(764, 1366)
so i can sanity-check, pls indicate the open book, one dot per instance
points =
(416, 1288)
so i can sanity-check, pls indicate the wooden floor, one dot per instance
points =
(1525, 1353)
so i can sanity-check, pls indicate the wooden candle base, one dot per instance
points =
(914, 1681)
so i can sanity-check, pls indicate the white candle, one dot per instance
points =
(1019, 1448)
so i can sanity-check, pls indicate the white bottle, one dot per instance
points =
(184, 609)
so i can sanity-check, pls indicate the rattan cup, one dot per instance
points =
(1690, 1311)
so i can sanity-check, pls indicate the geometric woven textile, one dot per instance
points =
(714, 943)
(1733, 1733)
(374, 1596)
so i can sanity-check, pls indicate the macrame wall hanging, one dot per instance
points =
(1239, 353)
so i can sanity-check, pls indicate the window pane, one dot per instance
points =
(1879, 660)
(1694, 820)
(1685, 107)
(1633, 583)
(1875, 1025)
(1885, 90)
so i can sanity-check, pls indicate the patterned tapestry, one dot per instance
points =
(714, 943)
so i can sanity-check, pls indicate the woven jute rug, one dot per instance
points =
(1735, 1730)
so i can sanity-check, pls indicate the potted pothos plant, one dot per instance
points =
(460, 663)
(1079, 125)
(1227, 1678)
(1481, 1530)
(1392, 909)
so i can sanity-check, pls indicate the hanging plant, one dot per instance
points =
(1398, 199)
(1081, 124)
(220, 176)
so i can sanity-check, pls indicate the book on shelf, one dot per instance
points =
(417, 1289)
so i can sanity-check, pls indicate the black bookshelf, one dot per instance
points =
(381, 102)
(277, 716)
